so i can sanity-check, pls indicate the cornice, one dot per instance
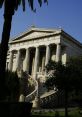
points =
(52, 32)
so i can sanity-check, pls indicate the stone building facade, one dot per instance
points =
(32, 50)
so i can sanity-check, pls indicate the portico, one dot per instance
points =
(33, 59)
(32, 50)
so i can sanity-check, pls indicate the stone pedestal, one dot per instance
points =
(36, 103)
(21, 98)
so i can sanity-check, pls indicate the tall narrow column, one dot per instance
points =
(18, 59)
(43, 63)
(47, 54)
(27, 60)
(58, 52)
(10, 61)
(36, 64)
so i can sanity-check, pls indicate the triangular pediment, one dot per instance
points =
(33, 33)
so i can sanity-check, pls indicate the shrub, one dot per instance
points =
(57, 114)
(12, 86)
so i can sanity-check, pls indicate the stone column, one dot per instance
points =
(27, 60)
(17, 59)
(43, 63)
(11, 61)
(58, 52)
(47, 54)
(36, 63)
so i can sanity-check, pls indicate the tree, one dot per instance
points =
(64, 77)
(75, 63)
(12, 86)
(10, 6)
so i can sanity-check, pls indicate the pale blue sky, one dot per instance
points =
(66, 14)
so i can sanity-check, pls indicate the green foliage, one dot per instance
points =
(76, 68)
(10, 6)
(57, 114)
(75, 112)
(12, 86)
(65, 77)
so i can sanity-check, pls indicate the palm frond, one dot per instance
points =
(23, 5)
(40, 2)
(1, 3)
(31, 4)
(46, 1)
(16, 4)
(19, 2)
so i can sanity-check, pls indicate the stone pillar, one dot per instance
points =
(11, 61)
(43, 63)
(27, 60)
(47, 54)
(36, 63)
(17, 59)
(58, 52)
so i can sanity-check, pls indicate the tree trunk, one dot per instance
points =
(66, 103)
(3, 52)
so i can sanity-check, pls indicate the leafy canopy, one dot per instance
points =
(65, 77)
(17, 3)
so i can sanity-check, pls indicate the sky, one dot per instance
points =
(65, 14)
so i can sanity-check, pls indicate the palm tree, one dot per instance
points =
(10, 6)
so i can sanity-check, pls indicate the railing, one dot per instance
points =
(32, 95)
(43, 98)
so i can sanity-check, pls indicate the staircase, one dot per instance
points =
(30, 97)
(39, 96)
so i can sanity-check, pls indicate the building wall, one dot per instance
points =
(67, 48)
(72, 49)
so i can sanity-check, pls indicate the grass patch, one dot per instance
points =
(72, 113)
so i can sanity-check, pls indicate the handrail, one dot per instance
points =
(29, 97)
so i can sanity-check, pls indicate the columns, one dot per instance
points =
(58, 52)
(36, 65)
(47, 54)
(11, 61)
(17, 59)
(43, 63)
(27, 60)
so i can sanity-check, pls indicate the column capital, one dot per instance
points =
(18, 50)
(58, 44)
(47, 44)
(37, 46)
(27, 48)
(10, 50)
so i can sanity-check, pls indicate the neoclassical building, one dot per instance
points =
(33, 49)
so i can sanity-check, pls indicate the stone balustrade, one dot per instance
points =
(34, 93)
